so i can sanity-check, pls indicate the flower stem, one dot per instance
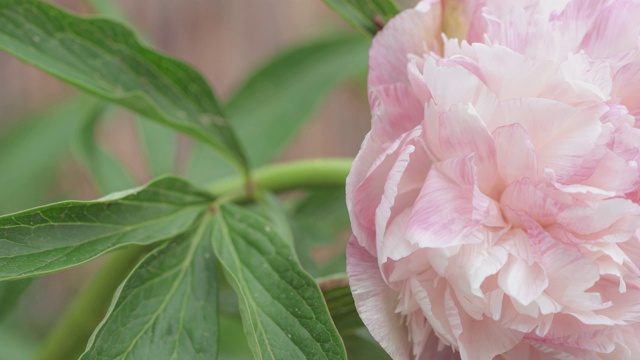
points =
(282, 177)
(70, 335)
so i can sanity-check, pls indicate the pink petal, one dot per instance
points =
(588, 220)
(473, 264)
(562, 136)
(414, 31)
(516, 156)
(461, 133)
(395, 110)
(573, 274)
(522, 281)
(582, 80)
(536, 201)
(626, 85)
(393, 244)
(615, 30)
(376, 302)
(434, 350)
(366, 182)
(449, 209)
(486, 339)
(431, 301)
(510, 74)
(450, 84)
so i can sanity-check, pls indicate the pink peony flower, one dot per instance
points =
(495, 202)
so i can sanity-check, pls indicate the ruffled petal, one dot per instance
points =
(522, 281)
(516, 157)
(450, 208)
(413, 31)
(376, 302)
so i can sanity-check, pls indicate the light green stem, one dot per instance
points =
(282, 177)
(70, 335)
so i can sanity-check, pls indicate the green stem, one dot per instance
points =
(70, 335)
(282, 177)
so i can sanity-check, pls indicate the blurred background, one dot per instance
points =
(55, 145)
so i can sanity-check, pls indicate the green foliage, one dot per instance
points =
(276, 100)
(104, 58)
(364, 347)
(282, 308)
(168, 304)
(322, 215)
(368, 16)
(33, 149)
(59, 236)
(10, 292)
(108, 174)
(159, 144)
(341, 305)
(13, 346)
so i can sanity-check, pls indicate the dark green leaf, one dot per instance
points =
(167, 308)
(283, 222)
(158, 142)
(104, 58)
(282, 308)
(276, 212)
(10, 292)
(365, 15)
(59, 236)
(33, 149)
(107, 172)
(337, 294)
(319, 220)
(279, 98)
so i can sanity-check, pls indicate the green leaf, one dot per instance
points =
(103, 57)
(280, 97)
(282, 308)
(159, 144)
(107, 172)
(277, 214)
(368, 16)
(59, 236)
(167, 308)
(318, 220)
(10, 292)
(283, 222)
(32, 150)
(337, 294)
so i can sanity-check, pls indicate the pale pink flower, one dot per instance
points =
(495, 202)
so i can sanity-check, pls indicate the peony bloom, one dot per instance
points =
(495, 203)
